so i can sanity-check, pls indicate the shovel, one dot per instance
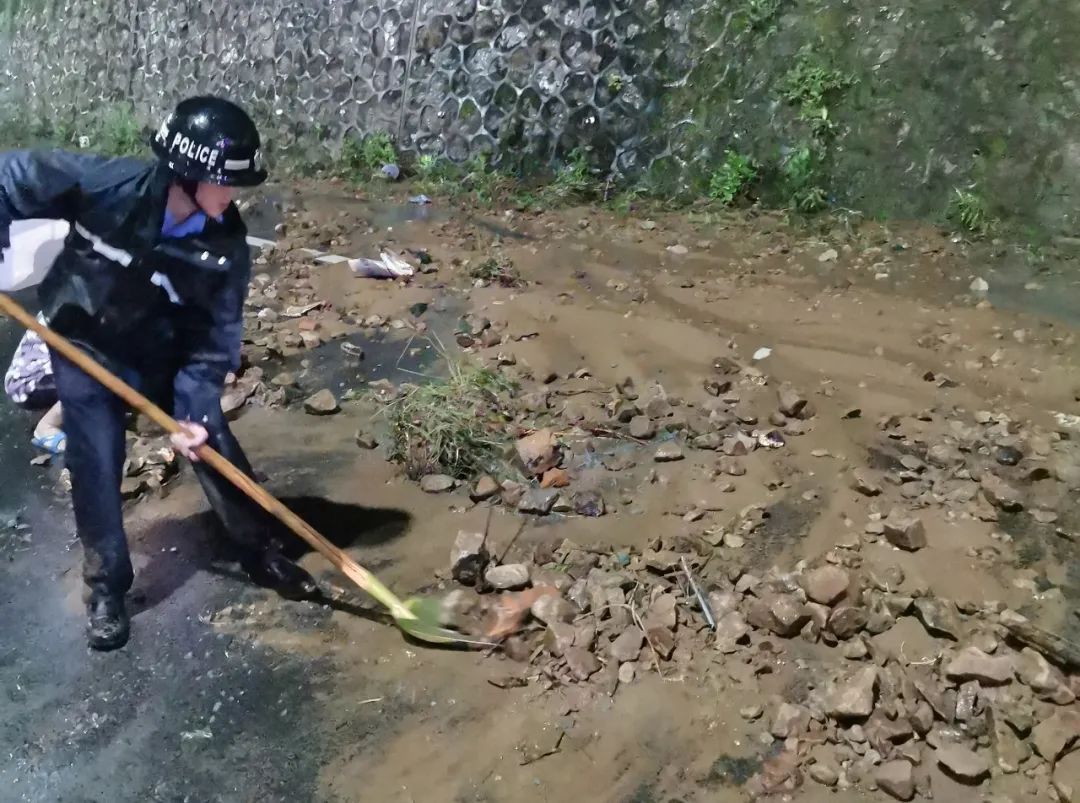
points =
(418, 617)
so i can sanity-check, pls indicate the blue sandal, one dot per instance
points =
(53, 444)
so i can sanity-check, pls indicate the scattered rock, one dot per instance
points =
(827, 584)
(1045, 680)
(824, 773)
(538, 452)
(322, 403)
(538, 501)
(555, 478)
(589, 503)
(581, 663)
(508, 576)
(939, 618)
(1000, 494)
(551, 608)
(790, 720)
(964, 764)
(846, 621)
(1010, 751)
(731, 630)
(973, 664)
(792, 403)
(558, 638)
(366, 440)
(896, 779)
(905, 532)
(781, 614)
(853, 697)
(1008, 455)
(485, 488)
(1053, 736)
(668, 453)
(436, 483)
(642, 427)
(469, 557)
(865, 483)
(627, 647)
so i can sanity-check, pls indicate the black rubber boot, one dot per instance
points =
(273, 570)
(109, 626)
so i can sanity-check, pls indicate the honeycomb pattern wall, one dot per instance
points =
(525, 79)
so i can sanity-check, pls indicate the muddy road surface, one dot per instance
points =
(863, 454)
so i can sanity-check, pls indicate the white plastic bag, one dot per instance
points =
(35, 244)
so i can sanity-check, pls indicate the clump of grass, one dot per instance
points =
(497, 271)
(118, 132)
(799, 175)
(361, 157)
(573, 182)
(733, 178)
(454, 426)
(758, 15)
(969, 210)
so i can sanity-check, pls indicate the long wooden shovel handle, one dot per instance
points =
(341, 561)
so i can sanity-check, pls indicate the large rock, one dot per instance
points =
(792, 402)
(1010, 751)
(436, 483)
(551, 608)
(1045, 680)
(906, 532)
(538, 452)
(896, 778)
(962, 763)
(826, 584)
(627, 647)
(1053, 736)
(853, 697)
(642, 427)
(790, 720)
(508, 576)
(974, 664)
(1000, 494)
(846, 621)
(321, 403)
(781, 614)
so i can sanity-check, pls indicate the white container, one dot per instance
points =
(35, 244)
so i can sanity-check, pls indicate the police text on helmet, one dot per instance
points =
(203, 154)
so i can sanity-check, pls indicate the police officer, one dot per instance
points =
(151, 282)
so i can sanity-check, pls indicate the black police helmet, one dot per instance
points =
(213, 140)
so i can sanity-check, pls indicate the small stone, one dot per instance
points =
(366, 440)
(436, 483)
(790, 720)
(284, 380)
(855, 650)
(538, 501)
(668, 453)
(538, 452)
(731, 630)
(973, 664)
(508, 576)
(863, 481)
(663, 641)
(782, 614)
(485, 488)
(627, 647)
(792, 403)
(906, 532)
(627, 672)
(826, 584)
(964, 764)
(824, 773)
(469, 557)
(896, 779)
(853, 697)
(642, 428)
(589, 503)
(322, 403)
(731, 467)
(939, 618)
(559, 638)
(922, 718)
(552, 608)
(1010, 751)
(1008, 455)
(751, 712)
(828, 255)
(846, 621)
(1000, 494)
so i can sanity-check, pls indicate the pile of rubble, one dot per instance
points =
(987, 703)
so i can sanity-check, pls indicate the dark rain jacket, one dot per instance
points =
(162, 308)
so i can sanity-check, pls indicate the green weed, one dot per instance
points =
(117, 132)
(811, 84)
(758, 15)
(800, 179)
(733, 178)
(362, 157)
(969, 210)
(572, 183)
(498, 271)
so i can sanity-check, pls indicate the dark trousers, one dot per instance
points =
(94, 426)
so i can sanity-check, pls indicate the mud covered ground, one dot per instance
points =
(228, 693)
